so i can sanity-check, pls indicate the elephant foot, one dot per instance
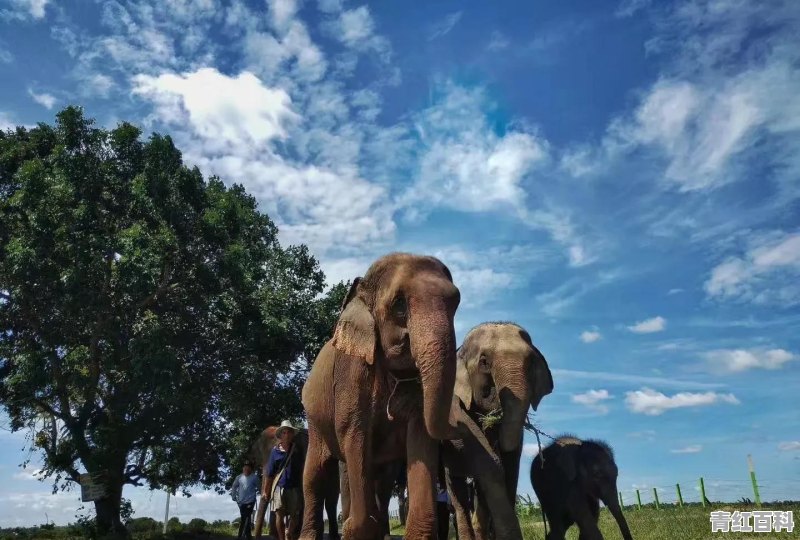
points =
(368, 530)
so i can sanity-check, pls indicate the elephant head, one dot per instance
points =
(500, 368)
(400, 316)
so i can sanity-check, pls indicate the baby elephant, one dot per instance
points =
(574, 477)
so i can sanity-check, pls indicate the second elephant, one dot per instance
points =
(498, 369)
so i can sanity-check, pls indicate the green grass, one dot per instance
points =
(668, 523)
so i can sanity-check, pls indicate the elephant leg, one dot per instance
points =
(483, 526)
(344, 488)
(584, 517)
(260, 514)
(318, 458)
(422, 465)
(332, 497)
(362, 521)
(459, 496)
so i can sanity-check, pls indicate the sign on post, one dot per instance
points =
(93, 487)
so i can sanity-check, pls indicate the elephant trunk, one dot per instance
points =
(514, 401)
(611, 502)
(433, 345)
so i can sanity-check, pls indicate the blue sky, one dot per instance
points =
(622, 179)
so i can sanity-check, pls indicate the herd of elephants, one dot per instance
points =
(391, 392)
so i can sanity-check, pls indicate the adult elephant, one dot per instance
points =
(574, 477)
(259, 453)
(381, 390)
(499, 370)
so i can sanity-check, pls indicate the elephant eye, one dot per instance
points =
(484, 361)
(400, 308)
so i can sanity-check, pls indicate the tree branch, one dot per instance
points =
(166, 274)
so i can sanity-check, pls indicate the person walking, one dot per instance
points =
(284, 479)
(243, 493)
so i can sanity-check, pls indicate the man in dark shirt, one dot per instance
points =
(284, 481)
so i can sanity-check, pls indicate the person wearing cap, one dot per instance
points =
(243, 493)
(284, 480)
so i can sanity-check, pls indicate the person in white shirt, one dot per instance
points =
(244, 492)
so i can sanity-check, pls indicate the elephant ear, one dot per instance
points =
(355, 330)
(540, 380)
(463, 387)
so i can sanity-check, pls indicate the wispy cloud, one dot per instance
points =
(590, 336)
(789, 446)
(652, 403)
(24, 9)
(44, 99)
(498, 41)
(737, 360)
(649, 326)
(634, 379)
(443, 27)
(769, 273)
(691, 449)
(594, 400)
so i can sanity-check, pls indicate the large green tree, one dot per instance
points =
(150, 322)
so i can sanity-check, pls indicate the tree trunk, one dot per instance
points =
(109, 523)
(107, 509)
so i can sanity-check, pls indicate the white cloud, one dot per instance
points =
(443, 27)
(237, 111)
(5, 56)
(789, 446)
(557, 302)
(649, 326)
(650, 402)
(355, 28)
(28, 474)
(466, 165)
(590, 336)
(726, 98)
(691, 449)
(768, 273)
(498, 41)
(736, 360)
(24, 9)
(483, 274)
(44, 99)
(593, 399)
(282, 12)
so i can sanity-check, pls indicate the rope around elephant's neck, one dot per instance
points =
(397, 381)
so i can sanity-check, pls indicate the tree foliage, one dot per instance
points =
(148, 317)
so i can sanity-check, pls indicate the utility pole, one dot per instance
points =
(166, 515)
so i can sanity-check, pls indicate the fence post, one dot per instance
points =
(680, 498)
(702, 492)
(655, 495)
(753, 480)
(621, 504)
(638, 500)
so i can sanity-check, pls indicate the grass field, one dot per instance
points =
(668, 523)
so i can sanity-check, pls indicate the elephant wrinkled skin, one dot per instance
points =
(498, 368)
(381, 390)
(576, 475)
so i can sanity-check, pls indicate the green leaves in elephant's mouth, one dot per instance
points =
(492, 418)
